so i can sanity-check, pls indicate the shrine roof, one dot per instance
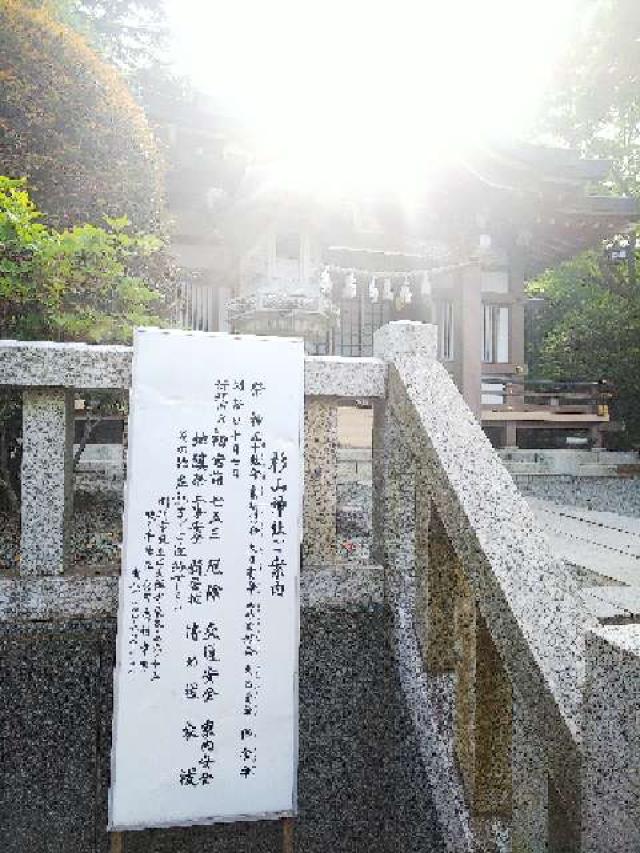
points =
(538, 201)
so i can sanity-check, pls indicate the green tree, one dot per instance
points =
(84, 283)
(595, 101)
(69, 124)
(588, 328)
(131, 34)
(80, 283)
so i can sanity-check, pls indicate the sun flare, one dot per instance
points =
(359, 93)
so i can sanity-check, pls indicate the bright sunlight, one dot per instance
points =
(345, 94)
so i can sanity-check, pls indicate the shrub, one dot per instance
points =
(76, 284)
(69, 124)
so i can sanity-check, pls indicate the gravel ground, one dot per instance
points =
(98, 516)
(603, 494)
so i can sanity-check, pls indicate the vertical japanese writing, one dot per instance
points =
(248, 750)
(208, 627)
(278, 504)
(185, 529)
(146, 589)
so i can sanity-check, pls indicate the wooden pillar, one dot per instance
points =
(510, 434)
(470, 336)
(287, 835)
(516, 313)
(117, 842)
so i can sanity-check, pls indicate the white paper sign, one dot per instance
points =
(205, 707)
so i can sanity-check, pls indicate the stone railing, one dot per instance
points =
(491, 639)
(545, 726)
(47, 585)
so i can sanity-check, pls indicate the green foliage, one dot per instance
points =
(595, 106)
(132, 34)
(75, 284)
(588, 328)
(69, 124)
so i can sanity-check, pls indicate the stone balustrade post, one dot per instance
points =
(400, 525)
(437, 572)
(379, 439)
(425, 511)
(483, 721)
(611, 741)
(530, 784)
(320, 480)
(389, 450)
(47, 480)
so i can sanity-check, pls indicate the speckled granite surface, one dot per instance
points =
(362, 783)
(371, 717)
(603, 494)
(96, 533)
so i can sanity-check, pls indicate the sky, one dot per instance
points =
(351, 92)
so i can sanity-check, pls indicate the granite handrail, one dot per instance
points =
(528, 596)
(47, 583)
(556, 655)
(575, 683)
(37, 364)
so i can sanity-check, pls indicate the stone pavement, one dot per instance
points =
(605, 549)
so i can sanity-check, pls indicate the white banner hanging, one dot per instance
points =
(205, 706)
